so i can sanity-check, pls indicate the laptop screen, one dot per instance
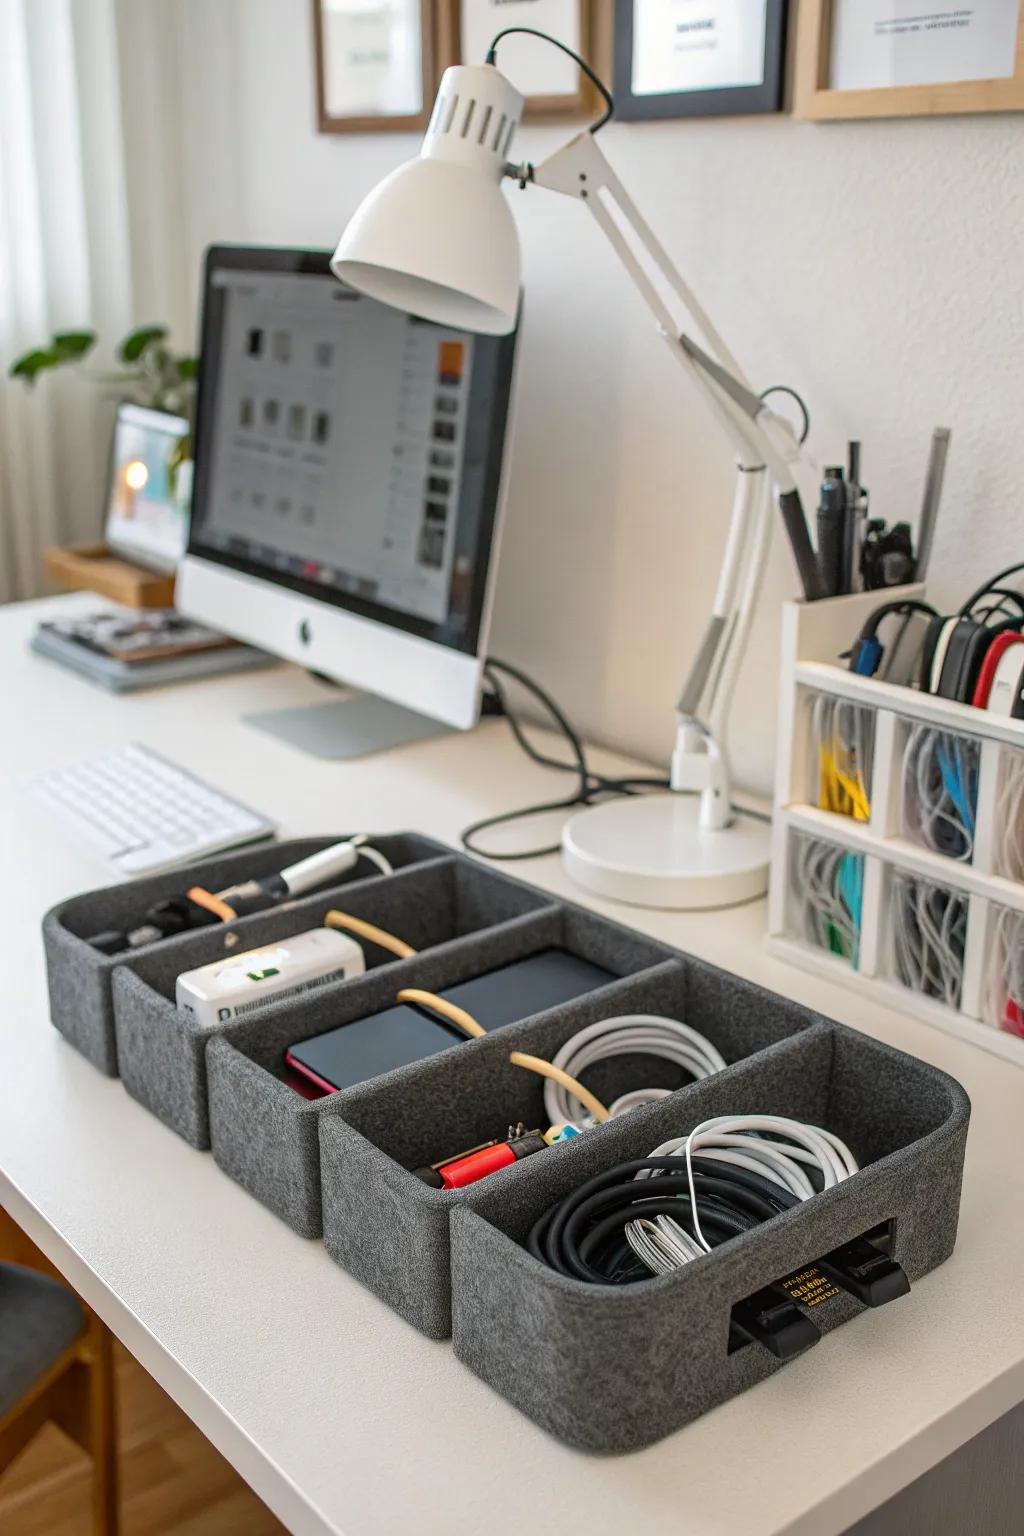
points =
(150, 487)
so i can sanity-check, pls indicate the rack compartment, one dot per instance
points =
(945, 813)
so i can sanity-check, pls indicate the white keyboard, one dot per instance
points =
(142, 813)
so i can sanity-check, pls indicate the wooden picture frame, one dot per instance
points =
(815, 99)
(723, 101)
(490, 16)
(432, 62)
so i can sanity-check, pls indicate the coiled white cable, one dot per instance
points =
(644, 1034)
(1004, 984)
(1010, 818)
(741, 1140)
(818, 889)
(929, 937)
(940, 779)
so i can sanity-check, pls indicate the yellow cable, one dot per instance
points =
(466, 1022)
(450, 1011)
(548, 1069)
(368, 931)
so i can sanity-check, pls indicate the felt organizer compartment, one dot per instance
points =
(80, 977)
(265, 1135)
(391, 1230)
(161, 1049)
(614, 1368)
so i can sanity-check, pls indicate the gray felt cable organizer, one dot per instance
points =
(265, 1135)
(80, 977)
(610, 1368)
(604, 1368)
(161, 1049)
(390, 1229)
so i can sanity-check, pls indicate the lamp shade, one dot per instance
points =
(437, 237)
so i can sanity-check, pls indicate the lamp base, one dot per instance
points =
(650, 851)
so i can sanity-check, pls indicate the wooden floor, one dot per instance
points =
(172, 1479)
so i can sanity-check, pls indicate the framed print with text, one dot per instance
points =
(549, 80)
(376, 64)
(899, 58)
(698, 58)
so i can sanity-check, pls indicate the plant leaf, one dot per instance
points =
(187, 367)
(33, 363)
(133, 346)
(73, 344)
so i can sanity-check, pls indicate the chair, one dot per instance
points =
(56, 1365)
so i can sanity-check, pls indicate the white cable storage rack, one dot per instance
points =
(813, 637)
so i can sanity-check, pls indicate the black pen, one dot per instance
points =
(832, 530)
(853, 535)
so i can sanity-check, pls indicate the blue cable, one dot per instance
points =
(953, 775)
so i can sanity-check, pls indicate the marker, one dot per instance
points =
(932, 496)
(832, 530)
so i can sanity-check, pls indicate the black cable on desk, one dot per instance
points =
(589, 787)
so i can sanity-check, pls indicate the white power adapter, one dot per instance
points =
(238, 985)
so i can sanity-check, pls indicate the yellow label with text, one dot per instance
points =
(809, 1287)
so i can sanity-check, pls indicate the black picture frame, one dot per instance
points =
(726, 102)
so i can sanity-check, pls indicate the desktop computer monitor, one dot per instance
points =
(347, 494)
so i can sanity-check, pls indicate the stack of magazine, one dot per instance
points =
(124, 649)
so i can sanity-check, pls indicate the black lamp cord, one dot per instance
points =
(595, 80)
(590, 786)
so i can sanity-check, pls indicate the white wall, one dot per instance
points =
(877, 267)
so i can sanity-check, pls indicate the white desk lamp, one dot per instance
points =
(437, 238)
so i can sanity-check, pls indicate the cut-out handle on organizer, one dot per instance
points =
(776, 1315)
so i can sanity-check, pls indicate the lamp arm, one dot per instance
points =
(580, 170)
(762, 445)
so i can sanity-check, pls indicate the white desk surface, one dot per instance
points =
(338, 1414)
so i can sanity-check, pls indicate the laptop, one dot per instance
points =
(150, 488)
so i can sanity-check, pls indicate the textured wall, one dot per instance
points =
(875, 266)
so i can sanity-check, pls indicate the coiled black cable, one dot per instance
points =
(583, 1235)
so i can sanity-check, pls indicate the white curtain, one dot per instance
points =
(90, 185)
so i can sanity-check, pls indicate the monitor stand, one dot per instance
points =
(353, 726)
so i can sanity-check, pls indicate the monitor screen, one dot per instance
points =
(150, 484)
(345, 449)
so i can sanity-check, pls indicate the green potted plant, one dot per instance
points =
(152, 373)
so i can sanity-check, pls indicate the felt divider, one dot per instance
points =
(603, 1368)
(391, 1230)
(265, 1135)
(80, 977)
(162, 1049)
(614, 1368)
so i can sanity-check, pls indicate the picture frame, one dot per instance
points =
(759, 60)
(346, 105)
(815, 98)
(562, 90)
